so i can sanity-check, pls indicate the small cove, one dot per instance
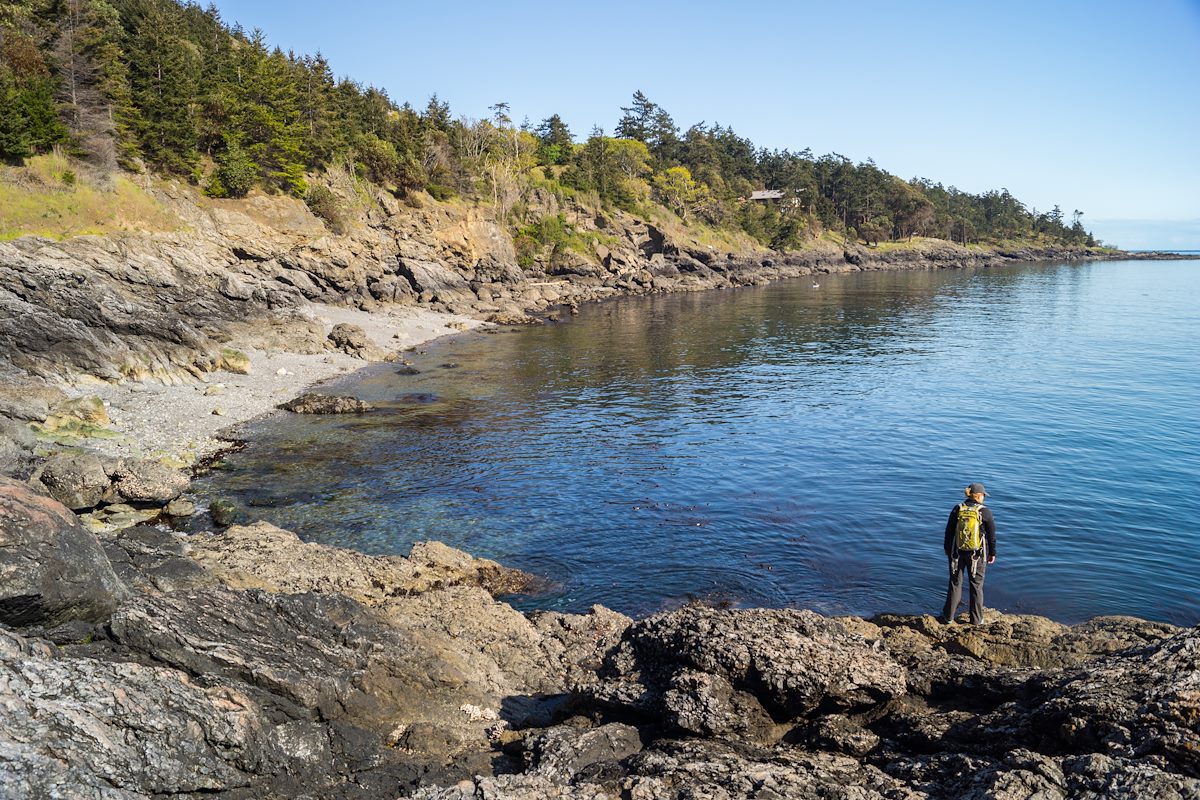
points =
(786, 445)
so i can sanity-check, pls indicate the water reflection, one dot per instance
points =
(787, 445)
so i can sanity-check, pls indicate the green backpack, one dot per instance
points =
(968, 533)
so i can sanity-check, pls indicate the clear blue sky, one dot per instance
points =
(1088, 105)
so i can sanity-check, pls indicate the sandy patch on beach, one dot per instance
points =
(185, 422)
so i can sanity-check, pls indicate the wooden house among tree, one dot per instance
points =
(774, 196)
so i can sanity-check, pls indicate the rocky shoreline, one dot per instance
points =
(136, 662)
(248, 664)
(181, 335)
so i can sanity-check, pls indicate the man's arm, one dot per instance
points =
(989, 530)
(951, 525)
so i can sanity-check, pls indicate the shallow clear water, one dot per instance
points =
(788, 445)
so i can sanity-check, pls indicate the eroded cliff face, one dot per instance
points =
(171, 306)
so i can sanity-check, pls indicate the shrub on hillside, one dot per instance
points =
(236, 173)
(324, 203)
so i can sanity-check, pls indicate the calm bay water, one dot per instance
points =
(788, 445)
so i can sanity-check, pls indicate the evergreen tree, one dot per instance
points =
(649, 123)
(15, 140)
(322, 137)
(637, 120)
(163, 69)
(215, 99)
(29, 121)
(437, 115)
(236, 171)
(93, 84)
(556, 142)
(664, 138)
(267, 114)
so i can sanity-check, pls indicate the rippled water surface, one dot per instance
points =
(788, 445)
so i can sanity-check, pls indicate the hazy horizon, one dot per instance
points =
(1143, 234)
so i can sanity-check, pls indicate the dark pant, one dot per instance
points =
(974, 562)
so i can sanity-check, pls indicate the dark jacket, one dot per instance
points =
(985, 519)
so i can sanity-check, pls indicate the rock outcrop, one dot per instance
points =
(262, 556)
(117, 493)
(251, 664)
(747, 674)
(52, 570)
(353, 340)
(82, 481)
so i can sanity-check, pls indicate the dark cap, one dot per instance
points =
(976, 488)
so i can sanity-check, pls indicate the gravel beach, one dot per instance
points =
(187, 422)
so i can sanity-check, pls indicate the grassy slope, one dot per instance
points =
(50, 197)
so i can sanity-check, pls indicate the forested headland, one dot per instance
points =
(160, 87)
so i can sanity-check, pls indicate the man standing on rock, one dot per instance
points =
(970, 544)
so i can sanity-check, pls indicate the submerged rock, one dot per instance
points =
(225, 512)
(325, 404)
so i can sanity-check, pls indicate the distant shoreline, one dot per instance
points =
(187, 422)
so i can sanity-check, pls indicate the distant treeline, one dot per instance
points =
(171, 87)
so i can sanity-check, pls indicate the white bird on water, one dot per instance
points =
(816, 285)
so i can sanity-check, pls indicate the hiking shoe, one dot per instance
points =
(945, 621)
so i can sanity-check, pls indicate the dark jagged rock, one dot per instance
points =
(432, 675)
(99, 730)
(360, 677)
(51, 568)
(313, 650)
(562, 752)
(83, 727)
(745, 673)
(311, 403)
(687, 769)
(151, 560)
